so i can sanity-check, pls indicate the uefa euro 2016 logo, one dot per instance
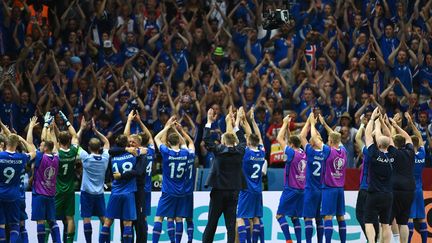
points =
(302, 166)
(338, 164)
(49, 173)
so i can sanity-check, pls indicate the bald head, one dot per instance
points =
(383, 142)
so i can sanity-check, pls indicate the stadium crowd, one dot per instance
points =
(136, 63)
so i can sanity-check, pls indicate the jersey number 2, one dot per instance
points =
(257, 168)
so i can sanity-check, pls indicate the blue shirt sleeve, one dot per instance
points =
(289, 153)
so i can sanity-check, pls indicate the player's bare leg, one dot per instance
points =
(284, 226)
(241, 230)
(256, 229)
(157, 228)
(23, 232)
(70, 222)
(395, 231)
(2, 233)
(342, 228)
(386, 233)
(190, 229)
(370, 232)
(104, 235)
(171, 229)
(178, 229)
(403, 232)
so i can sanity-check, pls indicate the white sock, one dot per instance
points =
(396, 238)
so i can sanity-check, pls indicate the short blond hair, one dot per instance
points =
(229, 138)
(334, 137)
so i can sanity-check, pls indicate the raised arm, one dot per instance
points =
(402, 132)
(305, 130)
(71, 129)
(158, 138)
(282, 132)
(255, 127)
(414, 129)
(104, 140)
(32, 124)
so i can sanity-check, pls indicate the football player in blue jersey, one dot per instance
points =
(11, 165)
(333, 181)
(121, 204)
(312, 193)
(417, 208)
(143, 195)
(95, 164)
(250, 204)
(291, 200)
(189, 189)
(175, 157)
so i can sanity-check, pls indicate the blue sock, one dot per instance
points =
(178, 231)
(190, 230)
(2, 235)
(104, 234)
(261, 236)
(55, 232)
(342, 231)
(297, 229)
(242, 233)
(171, 231)
(423, 232)
(23, 234)
(308, 231)
(248, 230)
(284, 226)
(320, 229)
(328, 230)
(88, 232)
(411, 231)
(14, 233)
(157, 230)
(256, 233)
(40, 233)
(127, 234)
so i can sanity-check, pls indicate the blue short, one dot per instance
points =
(43, 208)
(312, 203)
(147, 203)
(187, 206)
(9, 211)
(417, 206)
(92, 205)
(291, 203)
(121, 206)
(333, 201)
(172, 206)
(250, 205)
(23, 214)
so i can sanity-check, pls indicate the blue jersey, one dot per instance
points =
(121, 164)
(364, 183)
(11, 166)
(315, 160)
(418, 166)
(190, 174)
(174, 169)
(253, 161)
(150, 158)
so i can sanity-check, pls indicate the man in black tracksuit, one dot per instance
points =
(403, 180)
(226, 177)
